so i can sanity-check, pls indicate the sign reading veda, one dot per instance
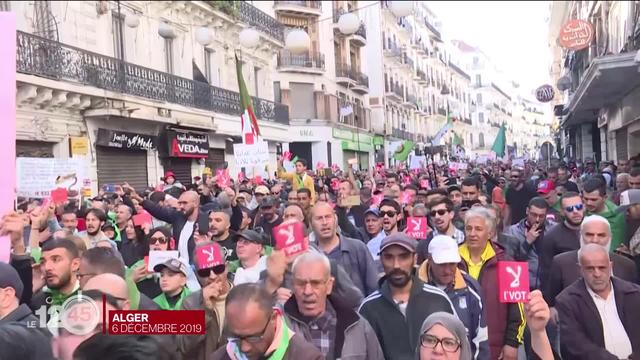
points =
(513, 281)
(188, 144)
(576, 35)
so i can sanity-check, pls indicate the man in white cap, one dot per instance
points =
(441, 270)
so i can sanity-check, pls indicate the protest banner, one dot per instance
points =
(37, 177)
(417, 227)
(417, 162)
(513, 281)
(251, 156)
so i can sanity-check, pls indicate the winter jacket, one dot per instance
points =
(506, 322)
(298, 349)
(565, 271)
(529, 252)
(355, 339)
(617, 222)
(199, 347)
(581, 327)
(399, 335)
(23, 316)
(355, 258)
(464, 293)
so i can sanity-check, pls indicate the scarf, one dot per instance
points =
(57, 297)
(278, 347)
(163, 303)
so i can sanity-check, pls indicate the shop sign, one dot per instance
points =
(576, 35)
(306, 133)
(365, 138)
(125, 140)
(355, 146)
(545, 93)
(378, 140)
(187, 144)
(79, 145)
(342, 134)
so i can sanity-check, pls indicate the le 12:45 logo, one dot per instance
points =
(79, 315)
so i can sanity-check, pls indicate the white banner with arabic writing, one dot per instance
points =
(36, 177)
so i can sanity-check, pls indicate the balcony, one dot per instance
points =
(407, 61)
(401, 134)
(394, 92)
(298, 8)
(53, 60)
(442, 111)
(391, 49)
(436, 33)
(251, 15)
(403, 23)
(359, 38)
(350, 76)
(358, 118)
(309, 63)
(421, 76)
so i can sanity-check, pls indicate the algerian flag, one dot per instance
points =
(443, 131)
(403, 151)
(249, 123)
(500, 143)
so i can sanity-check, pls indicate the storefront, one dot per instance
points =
(179, 147)
(354, 145)
(122, 157)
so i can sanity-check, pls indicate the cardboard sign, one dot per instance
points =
(289, 238)
(513, 281)
(209, 256)
(353, 200)
(142, 219)
(417, 227)
(59, 195)
(258, 180)
(159, 256)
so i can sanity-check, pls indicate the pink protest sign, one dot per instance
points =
(417, 227)
(209, 256)
(513, 281)
(8, 118)
(289, 237)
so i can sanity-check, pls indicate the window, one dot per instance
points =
(277, 93)
(4, 6)
(476, 60)
(481, 140)
(479, 99)
(208, 54)
(481, 117)
(117, 24)
(256, 77)
(478, 80)
(168, 54)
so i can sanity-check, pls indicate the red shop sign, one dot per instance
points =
(576, 35)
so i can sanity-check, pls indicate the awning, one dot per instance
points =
(607, 80)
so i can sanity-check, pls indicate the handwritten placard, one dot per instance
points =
(417, 227)
(159, 256)
(250, 156)
(36, 177)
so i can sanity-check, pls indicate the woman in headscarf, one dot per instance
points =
(443, 336)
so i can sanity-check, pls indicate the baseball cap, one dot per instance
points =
(261, 189)
(9, 278)
(372, 211)
(269, 201)
(174, 265)
(169, 173)
(400, 239)
(629, 198)
(545, 186)
(250, 235)
(444, 250)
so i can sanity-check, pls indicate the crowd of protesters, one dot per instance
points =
(364, 289)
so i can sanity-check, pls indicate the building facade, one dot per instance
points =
(597, 105)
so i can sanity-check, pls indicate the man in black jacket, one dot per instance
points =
(11, 310)
(397, 310)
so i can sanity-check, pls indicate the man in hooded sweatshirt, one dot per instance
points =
(594, 194)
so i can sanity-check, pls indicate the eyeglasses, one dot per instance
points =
(253, 339)
(388, 213)
(440, 212)
(448, 344)
(216, 270)
(578, 207)
(155, 240)
(275, 193)
(315, 283)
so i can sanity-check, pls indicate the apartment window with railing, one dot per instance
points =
(117, 24)
(208, 55)
(168, 55)
(277, 92)
(256, 80)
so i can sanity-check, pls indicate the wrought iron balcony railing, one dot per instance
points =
(309, 4)
(50, 59)
(351, 72)
(308, 60)
(251, 15)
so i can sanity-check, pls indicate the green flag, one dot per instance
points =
(402, 153)
(456, 140)
(501, 140)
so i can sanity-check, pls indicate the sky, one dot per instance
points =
(513, 34)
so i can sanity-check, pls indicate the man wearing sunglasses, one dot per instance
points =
(441, 217)
(391, 214)
(517, 198)
(213, 279)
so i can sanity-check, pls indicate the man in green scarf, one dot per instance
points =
(258, 330)
(59, 264)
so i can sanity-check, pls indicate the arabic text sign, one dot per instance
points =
(417, 227)
(36, 177)
(8, 116)
(513, 281)
(576, 35)
(250, 156)
(289, 237)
